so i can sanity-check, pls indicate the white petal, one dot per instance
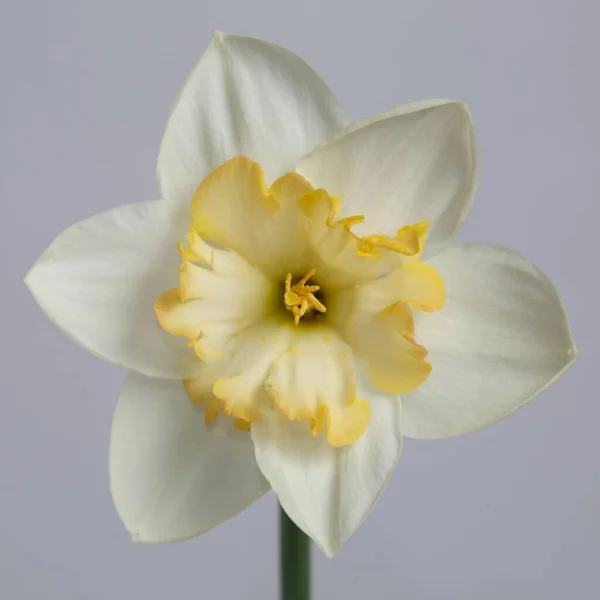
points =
(245, 96)
(99, 279)
(172, 477)
(501, 338)
(414, 163)
(326, 491)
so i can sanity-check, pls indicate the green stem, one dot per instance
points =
(294, 560)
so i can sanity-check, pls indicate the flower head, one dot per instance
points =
(293, 305)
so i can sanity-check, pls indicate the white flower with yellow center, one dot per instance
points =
(315, 311)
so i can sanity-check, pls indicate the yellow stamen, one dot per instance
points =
(299, 298)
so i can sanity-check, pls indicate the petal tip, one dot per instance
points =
(573, 352)
(220, 37)
(27, 279)
(32, 273)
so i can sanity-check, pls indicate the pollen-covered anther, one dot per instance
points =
(300, 299)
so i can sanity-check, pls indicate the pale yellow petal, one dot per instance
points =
(234, 207)
(214, 301)
(341, 258)
(315, 381)
(416, 284)
(198, 250)
(385, 343)
(240, 383)
(178, 317)
(376, 320)
(199, 391)
(235, 383)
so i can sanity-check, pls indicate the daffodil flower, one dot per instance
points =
(293, 305)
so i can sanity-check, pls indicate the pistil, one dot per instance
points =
(299, 298)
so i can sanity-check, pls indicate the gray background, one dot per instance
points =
(511, 511)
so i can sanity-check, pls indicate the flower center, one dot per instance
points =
(300, 298)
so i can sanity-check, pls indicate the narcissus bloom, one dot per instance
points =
(293, 305)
